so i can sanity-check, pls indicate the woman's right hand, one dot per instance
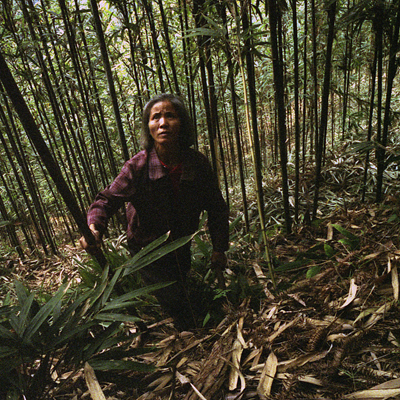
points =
(98, 237)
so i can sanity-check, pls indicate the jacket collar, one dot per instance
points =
(157, 171)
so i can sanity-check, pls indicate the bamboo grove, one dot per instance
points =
(273, 88)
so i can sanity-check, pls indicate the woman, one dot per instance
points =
(166, 187)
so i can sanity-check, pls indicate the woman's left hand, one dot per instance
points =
(218, 264)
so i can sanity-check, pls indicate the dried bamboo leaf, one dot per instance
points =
(392, 384)
(254, 355)
(190, 346)
(296, 297)
(352, 294)
(329, 235)
(383, 391)
(270, 314)
(395, 283)
(302, 378)
(237, 350)
(93, 384)
(163, 358)
(302, 360)
(263, 281)
(373, 394)
(336, 336)
(267, 376)
(378, 314)
(372, 256)
(161, 382)
(282, 329)
(214, 369)
(392, 339)
(182, 378)
(374, 312)
(197, 392)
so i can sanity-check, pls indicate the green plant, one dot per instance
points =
(41, 341)
(350, 240)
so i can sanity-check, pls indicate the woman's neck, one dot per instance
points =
(169, 156)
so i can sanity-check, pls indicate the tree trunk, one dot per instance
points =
(33, 133)
(391, 73)
(319, 154)
(110, 80)
(281, 109)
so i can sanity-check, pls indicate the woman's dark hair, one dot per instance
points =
(186, 134)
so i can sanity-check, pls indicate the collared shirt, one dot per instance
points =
(153, 208)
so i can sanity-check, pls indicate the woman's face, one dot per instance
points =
(164, 124)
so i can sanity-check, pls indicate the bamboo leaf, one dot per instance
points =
(44, 313)
(267, 376)
(136, 264)
(5, 334)
(146, 250)
(121, 365)
(22, 292)
(122, 301)
(352, 294)
(24, 314)
(314, 270)
(328, 250)
(93, 383)
(110, 287)
(350, 240)
(117, 317)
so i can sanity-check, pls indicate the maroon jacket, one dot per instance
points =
(153, 208)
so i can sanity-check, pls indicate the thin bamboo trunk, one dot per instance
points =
(281, 109)
(296, 112)
(33, 133)
(324, 105)
(391, 73)
(110, 79)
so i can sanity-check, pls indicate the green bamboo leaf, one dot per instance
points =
(328, 250)
(132, 266)
(96, 345)
(121, 352)
(235, 222)
(5, 334)
(110, 287)
(68, 318)
(6, 351)
(314, 270)
(44, 313)
(351, 240)
(203, 32)
(204, 247)
(70, 332)
(24, 314)
(120, 365)
(115, 347)
(114, 317)
(22, 292)
(99, 290)
(146, 250)
(345, 232)
(121, 301)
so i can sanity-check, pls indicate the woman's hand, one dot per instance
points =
(98, 237)
(218, 264)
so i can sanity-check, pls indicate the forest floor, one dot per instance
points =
(329, 329)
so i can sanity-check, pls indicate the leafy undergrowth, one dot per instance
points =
(330, 329)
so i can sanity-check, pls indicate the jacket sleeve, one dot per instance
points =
(109, 200)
